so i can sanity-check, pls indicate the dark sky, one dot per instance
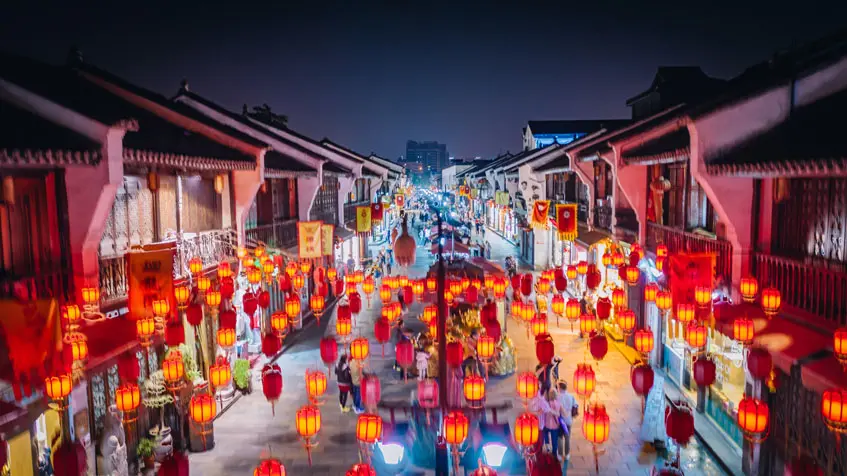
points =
(372, 74)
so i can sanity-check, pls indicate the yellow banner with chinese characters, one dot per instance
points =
(540, 210)
(363, 219)
(502, 199)
(566, 221)
(309, 239)
(150, 277)
(327, 239)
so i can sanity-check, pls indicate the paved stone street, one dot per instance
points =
(248, 430)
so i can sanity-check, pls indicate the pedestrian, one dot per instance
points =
(400, 298)
(345, 382)
(551, 421)
(388, 268)
(570, 409)
(351, 263)
(356, 381)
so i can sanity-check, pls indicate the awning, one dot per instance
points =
(810, 141)
(487, 266)
(343, 233)
(589, 238)
(561, 164)
(671, 147)
(281, 166)
(452, 246)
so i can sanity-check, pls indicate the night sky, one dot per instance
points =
(469, 74)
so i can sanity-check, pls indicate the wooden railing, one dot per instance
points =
(813, 287)
(211, 246)
(280, 235)
(56, 284)
(683, 241)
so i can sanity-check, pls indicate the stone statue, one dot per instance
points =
(112, 458)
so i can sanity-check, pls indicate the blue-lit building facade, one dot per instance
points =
(538, 134)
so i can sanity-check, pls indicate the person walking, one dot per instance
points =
(356, 383)
(551, 421)
(570, 409)
(345, 382)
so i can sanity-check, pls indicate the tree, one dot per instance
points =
(264, 114)
(156, 395)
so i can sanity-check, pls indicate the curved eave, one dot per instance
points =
(49, 158)
(676, 155)
(790, 168)
(271, 173)
(164, 159)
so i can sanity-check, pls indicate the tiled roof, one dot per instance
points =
(367, 163)
(276, 162)
(574, 126)
(810, 141)
(668, 147)
(332, 167)
(28, 138)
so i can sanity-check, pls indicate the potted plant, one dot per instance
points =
(146, 447)
(241, 376)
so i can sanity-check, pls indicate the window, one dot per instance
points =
(200, 205)
(359, 192)
(130, 222)
(325, 207)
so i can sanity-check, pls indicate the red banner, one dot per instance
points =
(376, 212)
(33, 337)
(566, 221)
(540, 210)
(150, 277)
(686, 271)
(399, 200)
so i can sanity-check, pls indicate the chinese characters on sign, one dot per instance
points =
(309, 239)
(363, 219)
(151, 277)
(327, 232)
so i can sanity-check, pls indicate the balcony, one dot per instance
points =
(683, 241)
(280, 235)
(211, 246)
(813, 288)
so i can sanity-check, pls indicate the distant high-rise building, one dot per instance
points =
(432, 155)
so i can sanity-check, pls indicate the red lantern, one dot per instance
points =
(839, 344)
(527, 385)
(598, 346)
(759, 363)
(650, 291)
(595, 424)
(455, 354)
(474, 389)
(361, 469)
(684, 312)
(626, 320)
(431, 284)
(382, 332)
(69, 459)
(661, 251)
(264, 299)
(743, 330)
(749, 287)
(194, 314)
(642, 377)
(471, 295)
(429, 314)
(355, 303)
(663, 301)
(705, 371)
(702, 295)
(753, 417)
(428, 393)
(368, 428)
(587, 323)
(359, 348)
(557, 304)
(526, 430)
(515, 283)
(618, 299)
(696, 335)
(543, 286)
(771, 301)
(584, 380)
(834, 410)
(177, 465)
(500, 288)
(544, 350)
(271, 344)
(526, 284)
(572, 309)
(632, 275)
(371, 391)
(405, 353)
(329, 350)
(582, 267)
(592, 278)
(679, 422)
(604, 308)
(272, 383)
(227, 319)
(643, 340)
(408, 295)
(455, 428)
(571, 273)
(269, 467)
(539, 324)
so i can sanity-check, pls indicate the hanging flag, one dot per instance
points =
(376, 212)
(540, 210)
(327, 239)
(150, 276)
(33, 336)
(363, 219)
(566, 221)
(399, 200)
(309, 239)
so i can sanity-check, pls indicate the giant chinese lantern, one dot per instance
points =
(455, 354)
(695, 336)
(595, 424)
(279, 322)
(572, 309)
(839, 345)
(771, 301)
(743, 330)
(606, 259)
(203, 408)
(371, 390)
(127, 399)
(272, 384)
(368, 428)
(584, 380)
(307, 420)
(592, 278)
(834, 410)
(284, 282)
(382, 332)
(431, 284)
(571, 272)
(173, 370)
(331, 273)
(543, 286)
(385, 293)
(355, 303)
(298, 281)
(544, 349)
(485, 346)
(455, 286)
(220, 374)
(753, 417)
(69, 459)
(759, 363)
(582, 267)
(315, 384)
(474, 390)
(684, 312)
(704, 371)
(499, 288)
(418, 288)
(598, 346)
(471, 295)
(455, 428)
(641, 377)
(643, 340)
(145, 329)
(429, 314)
(663, 301)
(604, 308)
(557, 304)
(561, 283)
(292, 306)
(359, 348)
(632, 275)
(317, 303)
(526, 284)
(405, 354)
(526, 430)
(587, 323)
(538, 324)
(679, 422)
(226, 338)
(618, 299)
(271, 344)
(329, 351)
(748, 287)
(702, 296)
(650, 291)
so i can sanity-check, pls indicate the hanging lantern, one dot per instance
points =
(247, 262)
(584, 380)
(272, 384)
(485, 346)
(571, 272)
(560, 281)
(361, 469)
(526, 284)
(471, 295)
(592, 278)
(500, 288)
(543, 286)
(834, 410)
(291, 269)
(368, 286)
(315, 384)
(661, 251)
(71, 314)
(382, 332)
(431, 283)
(355, 303)
(145, 328)
(527, 385)
(604, 308)
(572, 309)
(705, 371)
(466, 282)
(298, 281)
(202, 408)
(587, 324)
(557, 304)
(632, 275)
(455, 286)
(702, 296)
(127, 398)
(220, 374)
(359, 348)
(404, 352)
(839, 343)
(368, 428)
(641, 376)
(226, 338)
(194, 314)
(371, 391)
(385, 293)
(484, 470)
(617, 259)
(684, 313)
(749, 287)
(743, 330)
(759, 363)
(643, 340)
(538, 324)
(343, 326)
(161, 307)
(516, 309)
(329, 351)
(449, 297)
(582, 268)
(279, 321)
(544, 349)
(308, 423)
(618, 298)
(455, 354)
(679, 422)
(418, 288)
(305, 266)
(173, 369)
(771, 301)
(489, 281)
(526, 430)
(455, 428)
(753, 417)
(429, 314)
(474, 390)
(598, 346)
(595, 424)
(181, 295)
(317, 303)
(606, 259)
(269, 467)
(332, 273)
(292, 305)
(203, 284)
(271, 345)
(663, 301)
(650, 291)
(213, 298)
(695, 336)
(626, 320)
(195, 265)
(58, 387)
